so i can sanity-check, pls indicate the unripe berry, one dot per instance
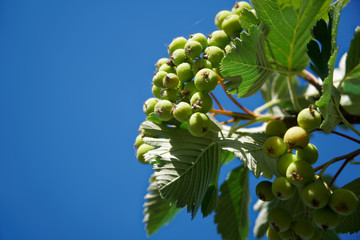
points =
(300, 173)
(149, 105)
(325, 218)
(206, 80)
(274, 147)
(158, 79)
(167, 68)
(160, 62)
(275, 127)
(143, 148)
(178, 57)
(199, 64)
(170, 94)
(214, 55)
(309, 153)
(177, 43)
(199, 124)
(193, 49)
(271, 234)
(199, 37)
(170, 80)
(315, 195)
(303, 229)
(240, 6)
(279, 219)
(282, 188)
(184, 72)
(201, 102)
(263, 191)
(163, 110)
(138, 141)
(189, 90)
(156, 91)
(343, 201)
(182, 112)
(283, 162)
(296, 138)
(219, 39)
(309, 119)
(220, 16)
(231, 25)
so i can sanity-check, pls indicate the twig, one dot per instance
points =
(340, 134)
(334, 160)
(217, 101)
(233, 114)
(339, 171)
(310, 78)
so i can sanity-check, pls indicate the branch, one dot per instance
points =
(310, 78)
(233, 114)
(339, 171)
(334, 160)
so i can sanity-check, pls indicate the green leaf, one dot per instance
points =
(158, 212)
(329, 235)
(210, 200)
(351, 224)
(246, 68)
(231, 214)
(184, 165)
(247, 145)
(248, 19)
(320, 58)
(261, 222)
(290, 23)
(353, 57)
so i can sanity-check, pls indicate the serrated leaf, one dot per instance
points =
(247, 145)
(210, 200)
(261, 222)
(158, 212)
(320, 58)
(231, 214)
(351, 224)
(246, 68)
(248, 19)
(184, 165)
(290, 23)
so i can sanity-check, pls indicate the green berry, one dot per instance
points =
(158, 79)
(300, 173)
(163, 110)
(149, 105)
(199, 37)
(177, 43)
(189, 90)
(201, 64)
(178, 57)
(193, 49)
(182, 112)
(275, 127)
(201, 102)
(288, 235)
(138, 141)
(214, 55)
(271, 234)
(325, 218)
(167, 68)
(315, 195)
(184, 72)
(220, 16)
(231, 25)
(206, 80)
(240, 6)
(156, 91)
(279, 219)
(219, 39)
(309, 119)
(296, 138)
(274, 147)
(303, 229)
(343, 201)
(263, 191)
(283, 163)
(143, 148)
(309, 153)
(160, 62)
(199, 124)
(282, 188)
(171, 94)
(170, 80)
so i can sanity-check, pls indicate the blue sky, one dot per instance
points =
(73, 78)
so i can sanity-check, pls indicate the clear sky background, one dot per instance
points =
(73, 77)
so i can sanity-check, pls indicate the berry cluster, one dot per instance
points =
(182, 82)
(323, 206)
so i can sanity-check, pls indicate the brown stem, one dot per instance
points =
(334, 160)
(339, 171)
(340, 134)
(233, 114)
(228, 121)
(310, 78)
(217, 101)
